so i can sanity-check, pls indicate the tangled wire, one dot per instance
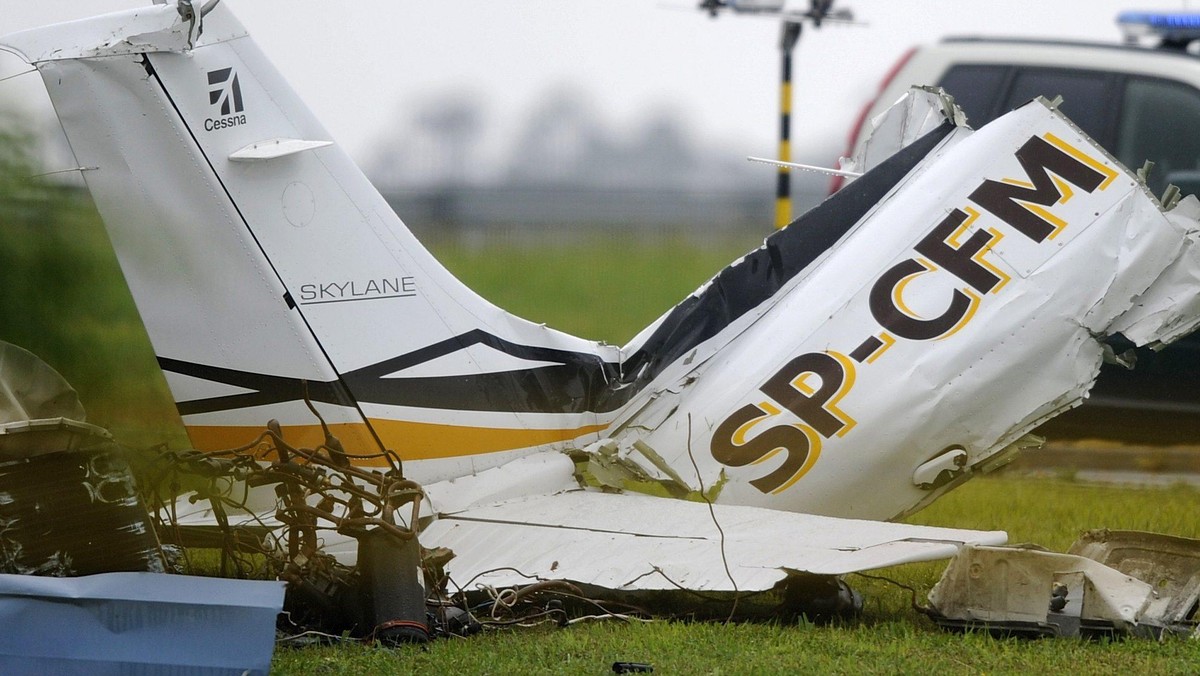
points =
(326, 489)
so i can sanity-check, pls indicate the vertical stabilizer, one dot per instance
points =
(265, 266)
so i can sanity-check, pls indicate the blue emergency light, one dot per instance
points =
(1175, 28)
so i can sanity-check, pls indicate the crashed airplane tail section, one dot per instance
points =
(880, 350)
(267, 268)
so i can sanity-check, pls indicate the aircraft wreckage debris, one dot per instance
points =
(68, 502)
(70, 510)
(312, 491)
(1110, 584)
(895, 341)
(943, 304)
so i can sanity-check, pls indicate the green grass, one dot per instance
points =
(678, 648)
(1053, 512)
(598, 288)
(889, 638)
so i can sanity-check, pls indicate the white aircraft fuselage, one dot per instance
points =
(886, 346)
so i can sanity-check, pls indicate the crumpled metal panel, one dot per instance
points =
(1013, 590)
(1169, 564)
(1110, 583)
(636, 542)
(538, 474)
(1167, 311)
(918, 112)
(133, 31)
(124, 623)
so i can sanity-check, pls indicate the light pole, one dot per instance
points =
(783, 188)
(819, 11)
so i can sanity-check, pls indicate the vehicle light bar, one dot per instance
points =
(1177, 28)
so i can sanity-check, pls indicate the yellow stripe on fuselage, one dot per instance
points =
(410, 440)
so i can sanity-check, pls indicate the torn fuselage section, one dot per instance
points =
(934, 331)
(1110, 584)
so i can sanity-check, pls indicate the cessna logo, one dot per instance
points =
(225, 92)
(1020, 207)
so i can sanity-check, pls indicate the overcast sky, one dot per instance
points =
(363, 64)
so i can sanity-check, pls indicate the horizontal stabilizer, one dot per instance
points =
(638, 542)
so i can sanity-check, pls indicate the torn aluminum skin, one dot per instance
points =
(918, 112)
(1169, 564)
(504, 534)
(1111, 583)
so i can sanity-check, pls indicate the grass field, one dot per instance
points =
(890, 637)
(63, 298)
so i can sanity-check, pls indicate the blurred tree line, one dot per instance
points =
(563, 141)
(62, 297)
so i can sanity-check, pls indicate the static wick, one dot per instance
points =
(16, 75)
(64, 171)
(807, 167)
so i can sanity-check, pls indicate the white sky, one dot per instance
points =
(362, 64)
